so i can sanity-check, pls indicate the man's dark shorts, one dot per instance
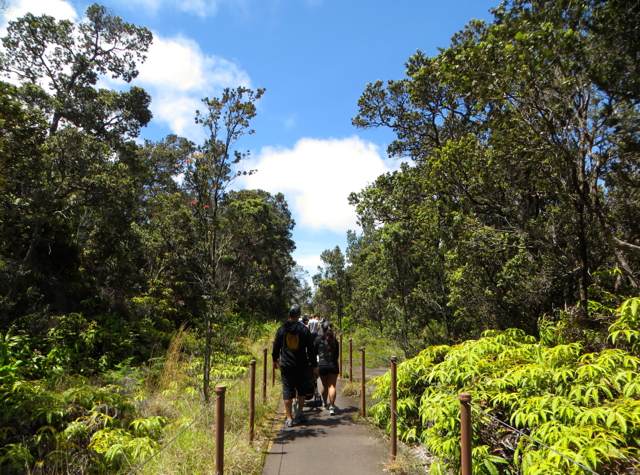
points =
(293, 380)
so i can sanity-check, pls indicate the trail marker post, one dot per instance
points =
(394, 405)
(264, 375)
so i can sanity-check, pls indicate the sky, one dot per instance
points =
(314, 57)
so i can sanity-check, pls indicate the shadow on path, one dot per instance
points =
(327, 444)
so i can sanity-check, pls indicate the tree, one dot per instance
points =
(68, 205)
(524, 137)
(257, 259)
(332, 285)
(67, 60)
(191, 223)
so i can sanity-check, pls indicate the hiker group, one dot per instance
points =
(304, 350)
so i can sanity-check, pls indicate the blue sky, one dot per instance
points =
(314, 57)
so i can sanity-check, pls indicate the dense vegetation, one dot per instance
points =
(508, 247)
(498, 255)
(582, 404)
(521, 198)
(108, 246)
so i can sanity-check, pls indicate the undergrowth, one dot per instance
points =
(583, 404)
(108, 424)
(378, 348)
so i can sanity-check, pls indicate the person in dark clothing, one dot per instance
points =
(328, 350)
(293, 351)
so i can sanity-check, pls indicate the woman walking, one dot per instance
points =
(328, 354)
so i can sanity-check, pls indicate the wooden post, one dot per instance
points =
(264, 375)
(220, 391)
(363, 395)
(340, 358)
(465, 433)
(273, 375)
(252, 398)
(394, 407)
(351, 360)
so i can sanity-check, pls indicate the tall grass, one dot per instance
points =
(378, 348)
(174, 395)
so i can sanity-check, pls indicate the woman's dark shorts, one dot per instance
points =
(325, 370)
(293, 380)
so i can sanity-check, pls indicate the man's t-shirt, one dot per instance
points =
(314, 325)
(294, 346)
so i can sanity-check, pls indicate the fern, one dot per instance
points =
(583, 405)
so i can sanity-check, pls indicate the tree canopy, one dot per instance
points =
(522, 196)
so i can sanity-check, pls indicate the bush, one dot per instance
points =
(585, 405)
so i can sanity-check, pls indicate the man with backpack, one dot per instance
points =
(293, 352)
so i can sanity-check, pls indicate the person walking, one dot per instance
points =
(293, 352)
(314, 325)
(328, 354)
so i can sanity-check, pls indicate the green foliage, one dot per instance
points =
(582, 404)
(506, 212)
(379, 349)
(103, 253)
(626, 329)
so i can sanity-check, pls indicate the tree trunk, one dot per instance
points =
(583, 257)
(207, 357)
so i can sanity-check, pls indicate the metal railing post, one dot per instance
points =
(264, 375)
(340, 358)
(394, 401)
(252, 398)
(363, 395)
(351, 360)
(220, 391)
(465, 433)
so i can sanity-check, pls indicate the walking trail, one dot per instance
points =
(327, 444)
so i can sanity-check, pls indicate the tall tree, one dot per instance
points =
(524, 136)
(191, 222)
(332, 284)
(58, 64)
(73, 198)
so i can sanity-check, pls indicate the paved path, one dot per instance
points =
(327, 444)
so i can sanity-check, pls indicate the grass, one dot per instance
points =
(378, 349)
(176, 397)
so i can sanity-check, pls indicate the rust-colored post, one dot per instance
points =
(363, 395)
(264, 375)
(220, 391)
(465, 433)
(351, 360)
(273, 373)
(340, 358)
(252, 398)
(394, 405)
(273, 376)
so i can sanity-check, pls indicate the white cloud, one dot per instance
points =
(317, 177)
(178, 75)
(290, 122)
(310, 262)
(201, 8)
(59, 9)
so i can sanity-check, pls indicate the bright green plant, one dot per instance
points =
(585, 405)
(626, 329)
